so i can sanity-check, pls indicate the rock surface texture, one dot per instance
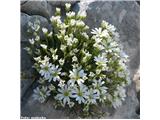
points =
(124, 15)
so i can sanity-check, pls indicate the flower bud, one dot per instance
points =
(67, 6)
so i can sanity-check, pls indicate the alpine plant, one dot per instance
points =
(77, 67)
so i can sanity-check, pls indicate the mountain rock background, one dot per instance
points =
(124, 15)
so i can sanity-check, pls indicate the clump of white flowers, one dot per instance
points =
(77, 68)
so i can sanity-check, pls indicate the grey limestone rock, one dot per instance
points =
(32, 108)
(25, 85)
(59, 3)
(24, 24)
(41, 8)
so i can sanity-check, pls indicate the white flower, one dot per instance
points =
(80, 23)
(113, 44)
(62, 32)
(99, 33)
(70, 14)
(54, 57)
(98, 40)
(50, 34)
(75, 40)
(75, 50)
(37, 58)
(45, 69)
(92, 96)
(63, 47)
(98, 71)
(34, 26)
(101, 60)
(46, 59)
(122, 64)
(91, 74)
(74, 65)
(70, 40)
(67, 6)
(77, 75)
(53, 51)
(111, 28)
(31, 41)
(96, 31)
(62, 26)
(72, 22)
(37, 38)
(43, 46)
(51, 87)
(104, 24)
(102, 97)
(121, 92)
(116, 36)
(45, 30)
(80, 93)
(98, 46)
(119, 95)
(85, 35)
(84, 60)
(61, 83)
(64, 95)
(41, 80)
(55, 72)
(28, 50)
(124, 56)
(86, 27)
(61, 61)
(41, 94)
(116, 103)
(58, 10)
(74, 59)
(82, 14)
(86, 53)
(121, 74)
(56, 19)
(98, 84)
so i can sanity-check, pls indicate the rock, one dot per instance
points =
(61, 3)
(23, 2)
(25, 85)
(24, 24)
(41, 8)
(136, 79)
(26, 63)
(31, 108)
